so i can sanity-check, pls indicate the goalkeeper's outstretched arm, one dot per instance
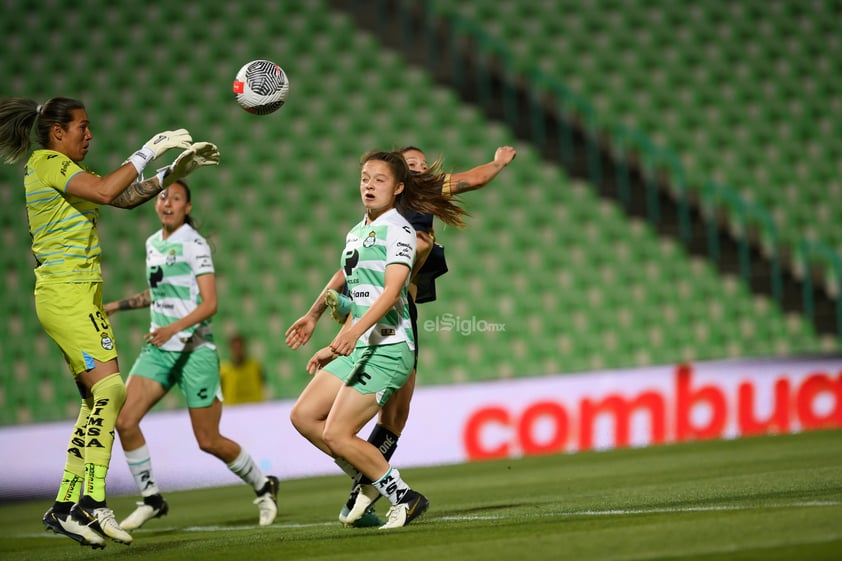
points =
(138, 193)
(197, 155)
(125, 186)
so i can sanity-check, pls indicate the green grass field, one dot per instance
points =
(760, 498)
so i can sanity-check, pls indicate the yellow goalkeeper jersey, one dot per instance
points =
(65, 240)
(241, 383)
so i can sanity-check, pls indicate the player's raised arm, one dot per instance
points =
(195, 156)
(110, 188)
(475, 178)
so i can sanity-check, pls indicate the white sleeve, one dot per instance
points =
(400, 245)
(198, 254)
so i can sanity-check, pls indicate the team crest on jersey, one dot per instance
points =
(107, 342)
(370, 240)
(171, 257)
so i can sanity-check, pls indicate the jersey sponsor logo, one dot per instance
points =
(370, 240)
(156, 275)
(350, 261)
(387, 332)
(404, 250)
(360, 294)
(107, 342)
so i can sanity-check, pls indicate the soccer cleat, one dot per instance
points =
(267, 501)
(153, 506)
(339, 304)
(62, 523)
(101, 520)
(363, 497)
(411, 507)
(367, 520)
(349, 504)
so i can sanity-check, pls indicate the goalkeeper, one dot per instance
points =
(63, 197)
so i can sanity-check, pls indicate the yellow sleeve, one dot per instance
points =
(445, 187)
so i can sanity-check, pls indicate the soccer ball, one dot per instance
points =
(261, 87)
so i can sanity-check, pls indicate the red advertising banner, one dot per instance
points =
(655, 406)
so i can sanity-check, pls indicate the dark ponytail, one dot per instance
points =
(19, 115)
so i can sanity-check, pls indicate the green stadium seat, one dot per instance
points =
(755, 54)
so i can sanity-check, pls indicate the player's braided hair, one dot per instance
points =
(422, 191)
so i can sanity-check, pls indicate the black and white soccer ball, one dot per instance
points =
(261, 87)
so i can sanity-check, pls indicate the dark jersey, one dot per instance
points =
(435, 265)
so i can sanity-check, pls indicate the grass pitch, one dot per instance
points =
(774, 497)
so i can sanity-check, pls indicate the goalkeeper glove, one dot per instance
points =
(157, 145)
(198, 155)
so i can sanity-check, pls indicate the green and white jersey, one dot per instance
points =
(369, 248)
(172, 266)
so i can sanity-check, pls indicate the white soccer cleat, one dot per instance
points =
(267, 501)
(100, 520)
(145, 511)
(414, 505)
(395, 517)
(366, 495)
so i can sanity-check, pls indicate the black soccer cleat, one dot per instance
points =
(62, 523)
